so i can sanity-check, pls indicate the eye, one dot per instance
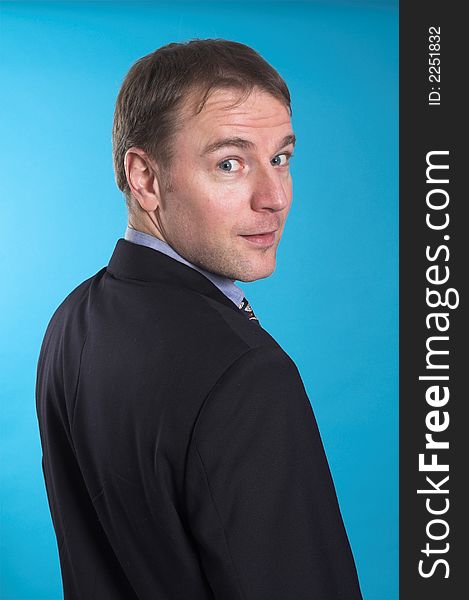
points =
(281, 160)
(229, 165)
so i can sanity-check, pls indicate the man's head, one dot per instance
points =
(201, 141)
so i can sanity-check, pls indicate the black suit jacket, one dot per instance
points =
(181, 456)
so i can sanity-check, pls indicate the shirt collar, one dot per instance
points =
(224, 284)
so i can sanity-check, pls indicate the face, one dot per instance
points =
(231, 186)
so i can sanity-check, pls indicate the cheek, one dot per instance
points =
(288, 191)
(288, 185)
(218, 204)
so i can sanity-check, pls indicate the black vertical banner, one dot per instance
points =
(434, 259)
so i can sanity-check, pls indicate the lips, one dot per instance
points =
(261, 239)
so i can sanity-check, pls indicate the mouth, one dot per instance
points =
(261, 239)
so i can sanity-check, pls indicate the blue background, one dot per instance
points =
(333, 299)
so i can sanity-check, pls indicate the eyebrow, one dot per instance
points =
(243, 144)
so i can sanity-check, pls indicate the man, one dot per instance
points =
(181, 456)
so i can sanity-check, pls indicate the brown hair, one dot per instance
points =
(148, 103)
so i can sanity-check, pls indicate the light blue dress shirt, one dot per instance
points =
(224, 284)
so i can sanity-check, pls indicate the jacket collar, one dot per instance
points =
(134, 261)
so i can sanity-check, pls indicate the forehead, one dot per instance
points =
(228, 111)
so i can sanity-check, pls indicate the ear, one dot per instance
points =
(140, 171)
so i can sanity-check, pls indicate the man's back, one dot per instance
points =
(181, 456)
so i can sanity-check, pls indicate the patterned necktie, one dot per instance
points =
(247, 310)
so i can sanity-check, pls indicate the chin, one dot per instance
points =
(255, 274)
(248, 279)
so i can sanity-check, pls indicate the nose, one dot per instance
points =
(272, 189)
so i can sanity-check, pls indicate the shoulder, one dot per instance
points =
(76, 300)
(261, 386)
(194, 322)
(268, 365)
